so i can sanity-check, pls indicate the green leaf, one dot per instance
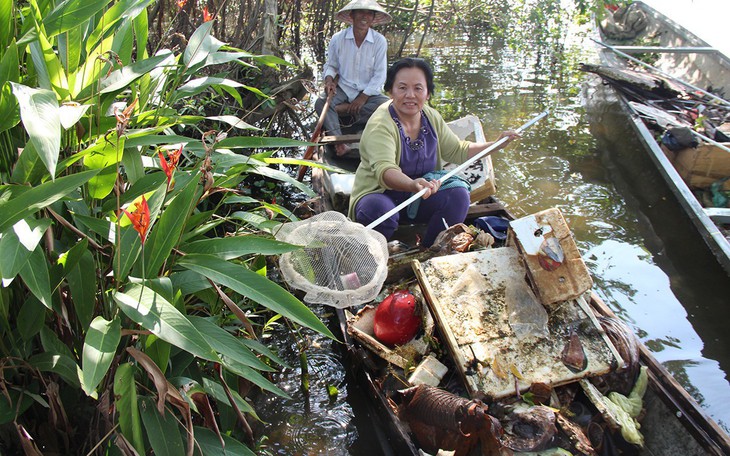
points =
(231, 247)
(158, 350)
(28, 202)
(200, 45)
(234, 121)
(100, 345)
(210, 444)
(123, 77)
(31, 318)
(39, 113)
(105, 161)
(125, 401)
(71, 13)
(43, 51)
(6, 22)
(227, 344)
(262, 349)
(253, 286)
(9, 114)
(59, 364)
(36, 277)
(258, 142)
(82, 284)
(216, 390)
(152, 312)
(166, 233)
(125, 10)
(163, 432)
(10, 411)
(196, 86)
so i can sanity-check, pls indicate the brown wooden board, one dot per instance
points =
(569, 280)
(467, 296)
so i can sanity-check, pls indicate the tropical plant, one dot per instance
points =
(131, 259)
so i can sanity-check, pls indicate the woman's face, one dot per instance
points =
(409, 92)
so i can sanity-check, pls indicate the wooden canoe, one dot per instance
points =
(682, 60)
(671, 421)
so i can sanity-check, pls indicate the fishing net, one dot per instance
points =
(342, 263)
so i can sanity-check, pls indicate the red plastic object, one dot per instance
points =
(396, 321)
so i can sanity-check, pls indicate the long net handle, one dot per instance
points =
(454, 171)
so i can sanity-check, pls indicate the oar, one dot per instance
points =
(315, 136)
(454, 171)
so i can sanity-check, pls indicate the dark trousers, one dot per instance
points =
(450, 205)
(332, 119)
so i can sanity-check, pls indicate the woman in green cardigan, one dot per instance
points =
(403, 147)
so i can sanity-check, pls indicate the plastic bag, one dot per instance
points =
(527, 317)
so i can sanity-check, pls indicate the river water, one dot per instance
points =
(646, 262)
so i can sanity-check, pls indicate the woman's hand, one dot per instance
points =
(511, 135)
(430, 186)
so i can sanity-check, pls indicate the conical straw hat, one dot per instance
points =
(381, 16)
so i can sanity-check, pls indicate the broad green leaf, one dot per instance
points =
(100, 345)
(189, 282)
(127, 405)
(36, 277)
(13, 257)
(219, 58)
(70, 46)
(166, 233)
(123, 77)
(31, 318)
(210, 444)
(51, 65)
(264, 350)
(152, 312)
(9, 71)
(216, 390)
(227, 344)
(283, 177)
(6, 22)
(62, 365)
(29, 168)
(158, 350)
(39, 113)
(126, 11)
(10, 411)
(231, 247)
(200, 45)
(28, 202)
(253, 286)
(132, 162)
(82, 284)
(105, 161)
(52, 344)
(141, 32)
(30, 231)
(196, 86)
(71, 113)
(71, 13)
(71, 257)
(234, 122)
(163, 432)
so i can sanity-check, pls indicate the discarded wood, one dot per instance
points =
(659, 49)
(666, 75)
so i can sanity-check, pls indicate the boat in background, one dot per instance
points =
(477, 380)
(678, 106)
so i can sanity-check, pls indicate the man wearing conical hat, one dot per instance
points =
(359, 56)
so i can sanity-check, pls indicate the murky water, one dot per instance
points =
(646, 261)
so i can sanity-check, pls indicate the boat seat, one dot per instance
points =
(718, 214)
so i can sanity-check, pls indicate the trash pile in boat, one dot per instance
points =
(508, 357)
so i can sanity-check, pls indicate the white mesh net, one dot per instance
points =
(342, 264)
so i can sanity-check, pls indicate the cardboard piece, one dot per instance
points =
(569, 280)
(702, 166)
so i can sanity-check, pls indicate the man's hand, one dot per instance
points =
(330, 86)
(357, 104)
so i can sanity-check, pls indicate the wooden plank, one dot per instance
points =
(667, 49)
(341, 139)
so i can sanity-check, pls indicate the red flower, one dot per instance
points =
(181, 3)
(169, 166)
(140, 218)
(207, 15)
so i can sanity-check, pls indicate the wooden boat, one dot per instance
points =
(671, 423)
(687, 79)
